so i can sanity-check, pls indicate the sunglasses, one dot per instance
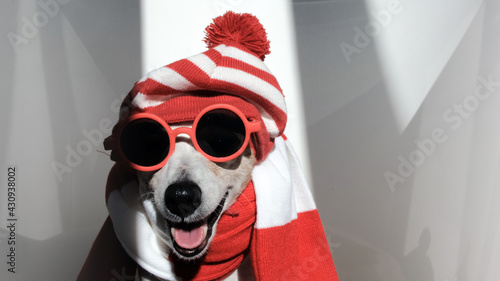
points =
(220, 133)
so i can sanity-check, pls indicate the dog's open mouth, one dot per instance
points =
(190, 239)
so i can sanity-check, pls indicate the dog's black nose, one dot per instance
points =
(183, 198)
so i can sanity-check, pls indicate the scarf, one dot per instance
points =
(274, 222)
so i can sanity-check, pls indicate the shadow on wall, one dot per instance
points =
(351, 129)
(7, 54)
(417, 265)
(386, 233)
(107, 37)
(76, 57)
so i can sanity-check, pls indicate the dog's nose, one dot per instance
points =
(183, 198)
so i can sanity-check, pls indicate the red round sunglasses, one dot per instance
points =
(220, 132)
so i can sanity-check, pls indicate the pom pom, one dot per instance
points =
(244, 29)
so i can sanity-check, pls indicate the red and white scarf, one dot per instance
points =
(275, 222)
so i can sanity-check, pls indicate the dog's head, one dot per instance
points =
(187, 196)
(191, 170)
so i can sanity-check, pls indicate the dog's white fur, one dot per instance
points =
(214, 180)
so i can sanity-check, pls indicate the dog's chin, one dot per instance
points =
(190, 241)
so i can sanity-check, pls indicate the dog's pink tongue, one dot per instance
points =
(190, 239)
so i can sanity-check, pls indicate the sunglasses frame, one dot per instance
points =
(251, 126)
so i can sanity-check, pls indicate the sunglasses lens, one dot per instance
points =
(145, 142)
(220, 133)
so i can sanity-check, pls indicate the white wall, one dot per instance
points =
(403, 135)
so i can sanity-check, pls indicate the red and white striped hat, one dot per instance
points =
(230, 71)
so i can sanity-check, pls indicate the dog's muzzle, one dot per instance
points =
(182, 199)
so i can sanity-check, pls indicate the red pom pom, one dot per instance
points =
(244, 29)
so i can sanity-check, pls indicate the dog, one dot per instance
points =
(205, 185)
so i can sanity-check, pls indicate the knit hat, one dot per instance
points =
(230, 71)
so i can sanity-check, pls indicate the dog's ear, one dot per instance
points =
(254, 142)
(260, 146)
